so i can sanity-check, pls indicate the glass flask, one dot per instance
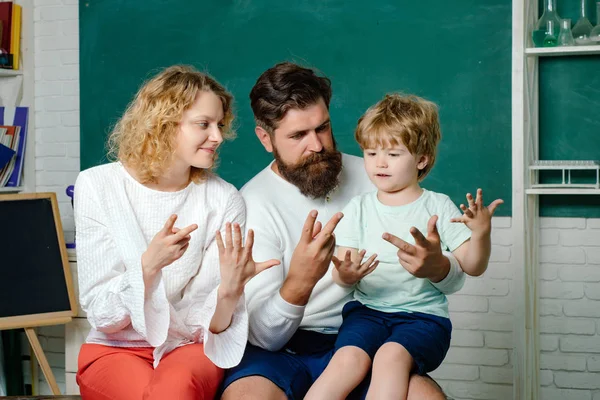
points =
(565, 37)
(546, 30)
(595, 33)
(583, 27)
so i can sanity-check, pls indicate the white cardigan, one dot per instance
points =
(116, 218)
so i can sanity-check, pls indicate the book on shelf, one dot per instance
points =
(10, 34)
(14, 120)
(9, 140)
(15, 36)
(6, 19)
(6, 153)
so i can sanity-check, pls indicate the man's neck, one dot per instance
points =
(275, 169)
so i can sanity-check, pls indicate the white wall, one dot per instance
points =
(56, 32)
(56, 60)
(570, 308)
(478, 365)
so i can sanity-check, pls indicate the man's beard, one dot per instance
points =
(316, 175)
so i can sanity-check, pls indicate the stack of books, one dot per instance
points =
(10, 34)
(13, 136)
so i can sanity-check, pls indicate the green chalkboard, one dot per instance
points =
(457, 54)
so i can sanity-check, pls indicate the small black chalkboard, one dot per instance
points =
(35, 281)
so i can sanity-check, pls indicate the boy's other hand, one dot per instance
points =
(477, 217)
(351, 271)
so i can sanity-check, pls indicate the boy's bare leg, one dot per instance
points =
(424, 388)
(346, 370)
(391, 372)
(253, 388)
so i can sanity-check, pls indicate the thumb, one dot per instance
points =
(262, 266)
(495, 203)
(336, 262)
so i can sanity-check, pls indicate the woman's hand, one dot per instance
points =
(237, 264)
(167, 246)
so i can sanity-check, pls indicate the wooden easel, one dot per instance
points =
(29, 322)
(58, 318)
(41, 357)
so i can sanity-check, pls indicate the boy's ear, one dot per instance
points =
(265, 138)
(423, 162)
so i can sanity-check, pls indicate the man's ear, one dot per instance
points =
(265, 138)
(423, 162)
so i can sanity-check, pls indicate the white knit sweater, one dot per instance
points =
(116, 218)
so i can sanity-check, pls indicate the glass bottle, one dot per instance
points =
(551, 39)
(546, 30)
(595, 33)
(565, 37)
(583, 27)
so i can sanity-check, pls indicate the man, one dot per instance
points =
(295, 307)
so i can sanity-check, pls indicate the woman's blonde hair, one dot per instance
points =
(144, 137)
(400, 119)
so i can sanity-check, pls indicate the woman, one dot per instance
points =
(163, 292)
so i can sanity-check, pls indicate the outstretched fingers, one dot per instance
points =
(309, 227)
(399, 243)
(327, 231)
(367, 265)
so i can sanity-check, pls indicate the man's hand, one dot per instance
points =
(424, 259)
(310, 260)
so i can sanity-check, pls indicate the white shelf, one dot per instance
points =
(562, 51)
(559, 191)
(565, 164)
(11, 189)
(10, 72)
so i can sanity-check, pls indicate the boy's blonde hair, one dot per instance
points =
(144, 137)
(402, 119)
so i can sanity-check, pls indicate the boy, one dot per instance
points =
(398, 322)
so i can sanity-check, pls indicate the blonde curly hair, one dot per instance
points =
(402, 119)
(144, 137)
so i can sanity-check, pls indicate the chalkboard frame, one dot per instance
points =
(50, 318)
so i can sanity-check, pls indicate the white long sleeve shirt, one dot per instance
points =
(116, 218)
(276, 211)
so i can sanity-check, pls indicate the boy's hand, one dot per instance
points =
(477, 217)
(350, 271)
(424, 259)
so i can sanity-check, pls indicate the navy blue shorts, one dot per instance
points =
(426, 337)
(293, 369)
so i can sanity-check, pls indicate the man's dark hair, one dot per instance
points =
(283, 87)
